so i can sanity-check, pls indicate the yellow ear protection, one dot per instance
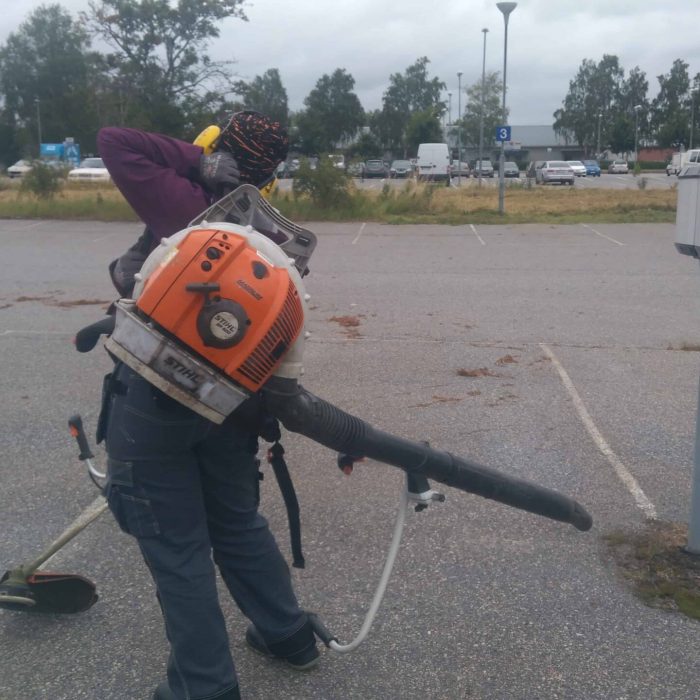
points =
(208, 140)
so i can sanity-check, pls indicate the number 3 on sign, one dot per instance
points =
(502, 133)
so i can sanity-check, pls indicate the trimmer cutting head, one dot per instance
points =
(44, 592)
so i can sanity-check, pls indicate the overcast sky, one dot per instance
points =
(371, 39)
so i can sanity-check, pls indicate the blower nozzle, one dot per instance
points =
(302, 412)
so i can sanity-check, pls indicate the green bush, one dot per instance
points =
(42, 181)
(326, 185)
(653, 164)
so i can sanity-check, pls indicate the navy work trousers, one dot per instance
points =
(187, 490)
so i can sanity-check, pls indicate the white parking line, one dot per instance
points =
(18, 332)
(359, 233)
(602, 235)
(473, 228)
(642, 502)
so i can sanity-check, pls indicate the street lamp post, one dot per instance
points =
(38, 121)
(692, 117)
(637, 109)
(600, 116)
(459, 128)
(449, 109)
(506, 8)
(481, 118)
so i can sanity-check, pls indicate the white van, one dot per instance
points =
(433, 162)
(680, 160)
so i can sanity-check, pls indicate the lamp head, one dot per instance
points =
(506, 8)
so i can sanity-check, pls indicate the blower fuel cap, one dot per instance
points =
(222, 324)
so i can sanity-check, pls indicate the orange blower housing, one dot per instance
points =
(218, 309)
(227, 304)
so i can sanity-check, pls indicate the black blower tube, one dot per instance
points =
(302, 412)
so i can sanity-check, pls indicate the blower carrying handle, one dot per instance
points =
(302, 412)
(86, 338)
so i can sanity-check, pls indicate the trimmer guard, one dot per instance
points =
(48, 593)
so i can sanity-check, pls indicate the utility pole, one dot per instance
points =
(481, 118)
(459, 128)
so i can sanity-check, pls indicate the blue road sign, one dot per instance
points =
(502, 133)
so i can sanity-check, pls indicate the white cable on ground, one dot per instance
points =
(388, 566)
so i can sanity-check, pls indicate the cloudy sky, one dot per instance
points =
(371, 39)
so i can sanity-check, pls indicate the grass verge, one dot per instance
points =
(660, 572)
(410, 204)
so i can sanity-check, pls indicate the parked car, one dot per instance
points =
(356, 169)
(555, 171)
(485, 167)
(511, 169)
(21, 167)
(401, 168)
(578, 167)
(618, 167)
(338, 160)
(375, 168)
(90, 170)
(674, 165)
(460, 168)
(592, 168)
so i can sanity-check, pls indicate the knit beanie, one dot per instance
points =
(257, 143)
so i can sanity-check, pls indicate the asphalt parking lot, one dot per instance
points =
(485, 601)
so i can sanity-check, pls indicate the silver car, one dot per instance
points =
(555, 171)
(486, 168)
(619, 167)
(578, 167)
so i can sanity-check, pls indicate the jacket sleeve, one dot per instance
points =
(155, 174)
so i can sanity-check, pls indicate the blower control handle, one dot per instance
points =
(302, 412)
(75, 424)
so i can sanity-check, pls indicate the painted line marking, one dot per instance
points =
(642, 502)
(36, 224)
(15, 332)
(602, 235)
(473, 228)
(359, 233)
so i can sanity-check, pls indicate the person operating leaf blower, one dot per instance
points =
(184, 487)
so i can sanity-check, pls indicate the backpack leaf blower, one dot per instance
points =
(218, 314)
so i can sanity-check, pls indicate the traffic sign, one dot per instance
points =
(502, 133)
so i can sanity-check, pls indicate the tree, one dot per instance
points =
(670, 116)
(470, 124)
(159, 62)
(423, 127)
(266, 94)
(407, 94)
(46, 70)
(333, 113)
(595, 90)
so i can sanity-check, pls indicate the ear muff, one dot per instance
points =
(208, 139)
(268, 186)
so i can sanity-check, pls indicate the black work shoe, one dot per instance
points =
(298, 651)
(163, 692)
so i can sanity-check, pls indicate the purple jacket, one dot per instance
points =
(155, 174)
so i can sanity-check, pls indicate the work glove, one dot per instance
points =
(219, 172)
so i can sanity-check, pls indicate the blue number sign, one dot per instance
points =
(502, 133)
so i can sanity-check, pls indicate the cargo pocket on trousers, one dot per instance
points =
(133, 515)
